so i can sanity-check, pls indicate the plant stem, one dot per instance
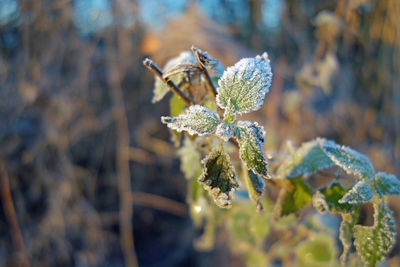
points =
(197, 53)
(159, 73)
(11, 217)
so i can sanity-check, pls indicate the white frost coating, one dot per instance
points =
(374, 242)
(225, 131)
(245, 84)
(160, 88)
(361, 192)
(195, 120)
(250, 136)
(387, 184)
(349, 160)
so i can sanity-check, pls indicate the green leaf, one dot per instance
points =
(195, 120)
(353, 162)
(387, 184)
(346, 233)
(160, 88)
(250, 137)
(219, 178)
(293, 196)
(374, 242)
(327, 199)
(190, 159)
(255, 186)
(361, 192)
(246, 228)
(318, 251)
(176, 105)
(245, 84)
(309, 158)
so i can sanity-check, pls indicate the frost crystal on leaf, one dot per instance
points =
(319, 202)
(346, 233)
(195, 120)
(387, 184)
(309, 158)
(332, 194)
(160, 88)
(225, 131)
(374, 242)
(245, 84)
(251, 140)
(219, 178)
(349, 160)
(361, 192)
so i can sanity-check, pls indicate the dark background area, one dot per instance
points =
(77, 125)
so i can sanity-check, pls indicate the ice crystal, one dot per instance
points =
(250, 137)
(195, 120)
(319, 202)
(219, 178)
(331, 195)
(374, 242)
(349, 160)
(309, 158)
(361, 192)
(245, 84)
(387, 184)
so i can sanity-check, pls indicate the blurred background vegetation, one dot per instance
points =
(78, 128)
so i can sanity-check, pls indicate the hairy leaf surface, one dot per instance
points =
(219, 178)
(374, 242)
(387, 184)
(245, 84)
(346, 233)
(195, 120)
(361, 192)
(250, 137)
(309, 158)
(349, 160)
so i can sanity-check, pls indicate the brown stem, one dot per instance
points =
(159, 73)
(11, 217)
(122, 158)
(160, 203)
(204, 72)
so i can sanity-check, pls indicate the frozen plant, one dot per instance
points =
(203, 114)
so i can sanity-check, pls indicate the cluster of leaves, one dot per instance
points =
(372, 242)
(213, 131)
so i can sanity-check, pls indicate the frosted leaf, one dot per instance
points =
(225, 131)
(361, 192)
(329, 197)
(160, 88)
(245, 84)
(195, 120)
(190, 159)
(387, 184)
(349, 160)
(250, 137)
(309, 158)
(346, 233)
(255, 187)
(219, 178)
(374, 242)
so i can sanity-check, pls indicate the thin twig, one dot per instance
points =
(197, 53)
(11, 217)
(122, 158)
(160, 203)
(159, 73)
